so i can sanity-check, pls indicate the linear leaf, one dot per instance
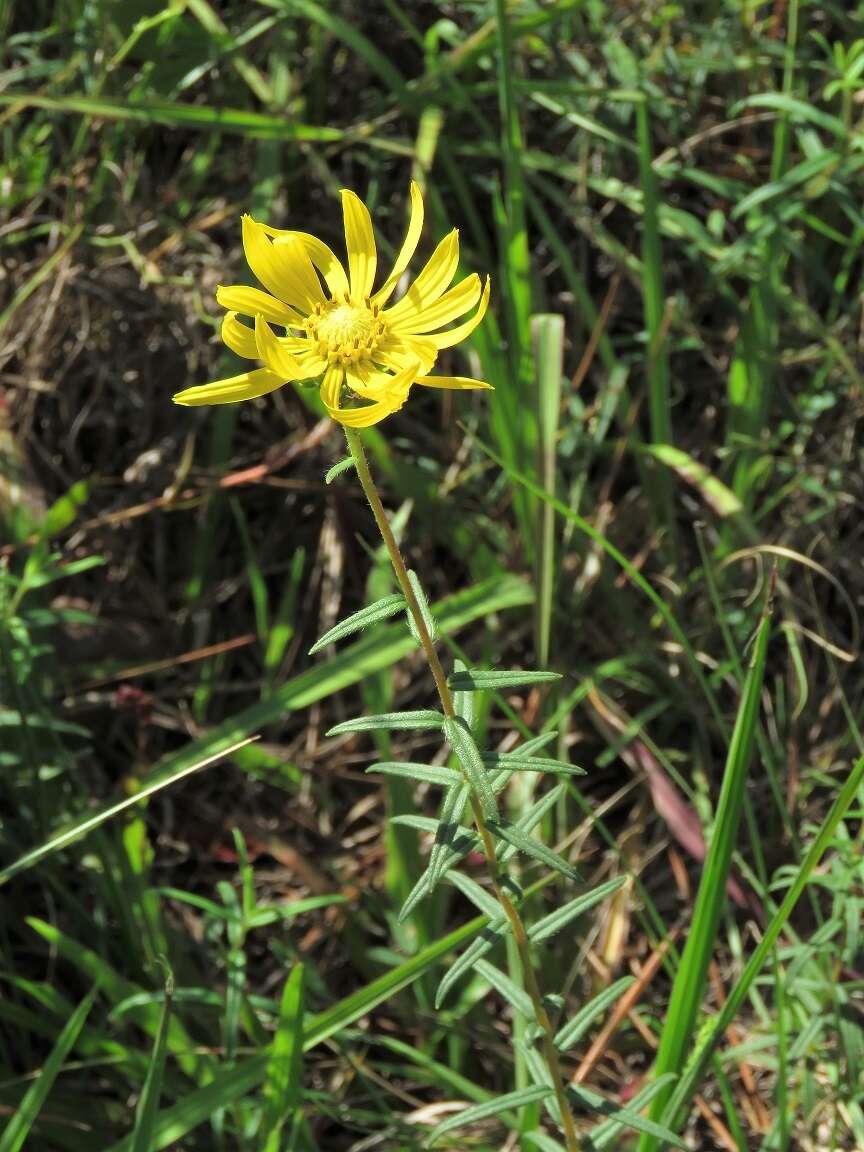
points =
(529, 820)
(477, 681)
(516, 838)
(233, 1084)
(446, 834)
(491, 1108)
(491, 935)
(461, 741)
(623, 1117)
(508, 988)
(381, 610)
(604, 1133)
(428, 773)
(575, 1029)
(422, 718)
(283, 1091)
(425, 612)
(343, 466)
(18, 1128)
(556, 920)
(482, 900)
(513, 762)
(148, 1104)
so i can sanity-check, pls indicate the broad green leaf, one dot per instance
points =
(20, 1124)
(459, 737)
(556, 920)
(421, 719)
(477, 681)
(575, 1028)
(380, 610)
(491, 1108)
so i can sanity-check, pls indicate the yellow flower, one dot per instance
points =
(333, 327)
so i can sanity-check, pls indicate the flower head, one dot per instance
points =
(313, 320)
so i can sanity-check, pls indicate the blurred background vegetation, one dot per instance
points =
(668, 197)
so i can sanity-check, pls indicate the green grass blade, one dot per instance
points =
(548, 334)
(283, 1091)
(18, 1128)
(148, 1104)
(681, 1015)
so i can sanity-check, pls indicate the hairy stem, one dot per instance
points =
(520, 935)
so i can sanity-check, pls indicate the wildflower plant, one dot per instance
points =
(367, 354)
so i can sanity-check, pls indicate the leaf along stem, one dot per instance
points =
(520, 934)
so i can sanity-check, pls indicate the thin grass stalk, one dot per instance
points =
(520, 934)
(681, 1015)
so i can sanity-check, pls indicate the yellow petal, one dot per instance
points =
(252, 301)
(431, 282)
(456, 335)
(275, 356)
(360, 243)
(321, 255)
(244, 387)
(239, 337)
(393, 391)
(331, 386)
(283, 267)
(409, 247)
(457, 382)
(396, 354)
(448, 307)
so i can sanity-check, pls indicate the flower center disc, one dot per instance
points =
(346, 332)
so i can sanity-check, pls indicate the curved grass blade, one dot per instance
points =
(381, 610)
(18, 1128)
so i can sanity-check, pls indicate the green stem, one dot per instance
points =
(520, 935)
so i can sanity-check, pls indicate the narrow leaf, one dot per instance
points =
(462, 742)
(516, 838)
(491, 935)
(475, 681)
(423, 718)
(148, 1104)
(509, 989)
(338, 469)
(556, 920)
(484, 901)
(530, 819)
(513, 762)
(491, 1108)
(380, 610)
(283, 1082)
(18, 1128)
(575, 1029)
(428, 773)
(446, 834)
(624, 1117)
(425, 612)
